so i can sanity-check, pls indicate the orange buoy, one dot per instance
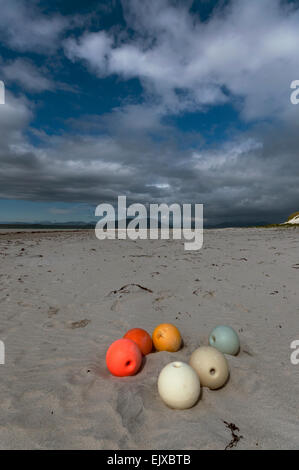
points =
(141, 338)
(166, 337)
(123, 357)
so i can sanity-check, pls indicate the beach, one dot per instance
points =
(66, 296)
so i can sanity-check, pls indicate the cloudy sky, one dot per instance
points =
(159, 100)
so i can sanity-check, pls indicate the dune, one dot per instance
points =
(293, 219)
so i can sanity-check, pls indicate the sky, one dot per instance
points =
(159, 100)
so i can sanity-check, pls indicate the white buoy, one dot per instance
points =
(179, 385)
(211, 366)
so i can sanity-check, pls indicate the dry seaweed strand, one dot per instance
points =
(123, 288)
(235, 438)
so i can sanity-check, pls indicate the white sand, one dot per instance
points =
(58, 316)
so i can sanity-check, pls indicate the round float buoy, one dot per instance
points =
(225, 339)
(166, 337)
(179, 385)
(123, 357)
(211, 366)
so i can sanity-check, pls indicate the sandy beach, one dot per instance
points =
(65, 296)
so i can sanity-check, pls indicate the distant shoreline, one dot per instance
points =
(60, 231)
(24, 226)
(13, 227)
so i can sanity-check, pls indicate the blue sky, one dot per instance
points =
(162, 101)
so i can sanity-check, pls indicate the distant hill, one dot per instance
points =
(77, 225)
(47, 225)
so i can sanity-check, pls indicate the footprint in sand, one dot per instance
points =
(78, 324)
(52, 311)
(83, 376)
(162, 295)
(73, 325)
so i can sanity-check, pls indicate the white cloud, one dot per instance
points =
(227, 157)
(26, 74)
(92, 47)
(248, 52)
(25, 28)
(15, 115)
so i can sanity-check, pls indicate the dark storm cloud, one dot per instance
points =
(252, 178)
